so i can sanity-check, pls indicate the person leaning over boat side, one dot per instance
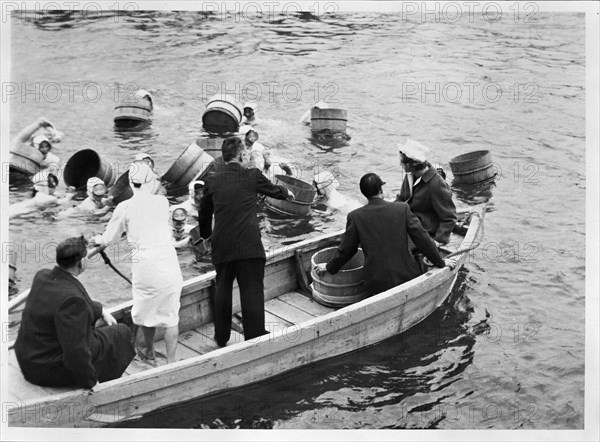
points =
(237, 250)
(426, 192)
(156, 274)
(382, 228)
(57, 344)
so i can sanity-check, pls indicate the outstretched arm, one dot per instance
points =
(28, 131)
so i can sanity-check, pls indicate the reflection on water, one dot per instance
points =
(473, 194)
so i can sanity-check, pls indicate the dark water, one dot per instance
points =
(507, 350)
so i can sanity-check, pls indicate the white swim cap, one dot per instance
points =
(140, 173)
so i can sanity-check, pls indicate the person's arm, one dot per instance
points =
(28, 131)
(72, 330)
(421, 238)
(404, 194)
(346, 249)
(441, 201)
(205, 214)
(264, 186)
(114, 228)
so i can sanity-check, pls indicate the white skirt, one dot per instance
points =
(157, 283)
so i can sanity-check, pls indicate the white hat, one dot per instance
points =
(39, 139)
(92, 182)
(140, 173)
(414, 150)
(143, 93)
(245, 129)
(45, 178)
(251, 105)
(324, 179)
(142, 156)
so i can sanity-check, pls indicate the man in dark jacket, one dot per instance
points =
(382, 228)
(426, 192)
(57, 344)
(237, 249)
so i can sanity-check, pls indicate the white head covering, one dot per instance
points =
(325, 179)
(143, 93)
(414, 150)
(38, 139)
(142, 173)
(91, 183)
(252, 105)
(245, 129)
(40, 179)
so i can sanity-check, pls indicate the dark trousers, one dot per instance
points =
(250, 275)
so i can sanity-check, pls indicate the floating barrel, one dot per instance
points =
(86, 164)
(121, 190)
(473, 167)
(137, 108)
(333, 120)
(211, 145)
(25, 158)
(345, 287)
(223, 114)
(304, 195)
(192, 162)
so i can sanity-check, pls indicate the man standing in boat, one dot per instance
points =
(426, 192)
(237, 249)
(383, 228)
(58, 344)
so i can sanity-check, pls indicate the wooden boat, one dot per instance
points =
(301, 332)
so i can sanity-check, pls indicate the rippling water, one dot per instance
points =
(507, 350)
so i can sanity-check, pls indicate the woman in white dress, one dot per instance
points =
(156, 274)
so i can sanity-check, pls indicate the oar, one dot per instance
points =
(100, 250)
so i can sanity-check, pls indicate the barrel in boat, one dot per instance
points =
(192, 162)
(134, 108)
(86, 164)
(345, 287)
(25, 159)
(333, 120)
(121, 190)
(304, 194)
(473, 167)
(223, 114)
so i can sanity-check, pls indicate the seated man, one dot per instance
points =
(382, 229)
(58, 344)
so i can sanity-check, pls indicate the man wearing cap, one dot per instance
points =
(58, 344)
(237, 249)
(382, 228)
(156, 274)
(426, 192)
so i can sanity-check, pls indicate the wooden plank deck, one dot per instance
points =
(288, 309)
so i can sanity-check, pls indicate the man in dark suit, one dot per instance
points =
(382, 229)
(237, 250)
(57, 344)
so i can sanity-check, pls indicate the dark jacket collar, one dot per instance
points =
(429, 174)
(376, 200)
(69, 277)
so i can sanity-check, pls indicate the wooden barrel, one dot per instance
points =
(189, 165)
(473, 167)
(223, 114)
(211, 145)
(345, 287)
(25, 159)
(304, 194)
(121, 190)
(134, 108)
(333, 120)
(86, 164)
